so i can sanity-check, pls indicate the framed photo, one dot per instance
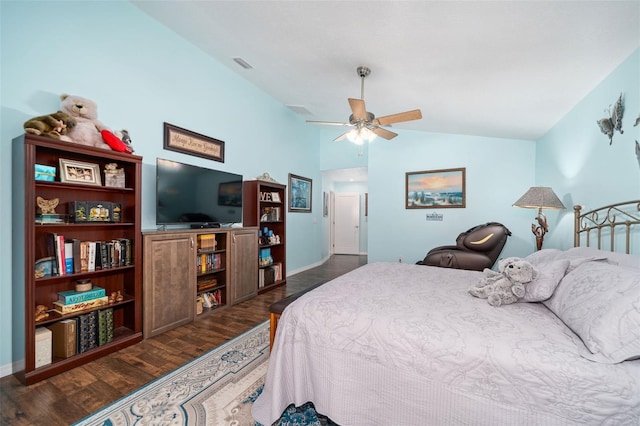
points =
(435, 189)
(300, 190)
(188, 142)
(79, 172)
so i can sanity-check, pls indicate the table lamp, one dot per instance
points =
(540, 197)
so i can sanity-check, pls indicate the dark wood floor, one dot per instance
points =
(73, 395)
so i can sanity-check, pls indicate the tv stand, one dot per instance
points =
(205, 225)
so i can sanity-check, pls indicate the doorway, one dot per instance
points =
(346, 223)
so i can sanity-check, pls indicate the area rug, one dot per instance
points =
(218, 388)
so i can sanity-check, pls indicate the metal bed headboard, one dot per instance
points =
(617, 220)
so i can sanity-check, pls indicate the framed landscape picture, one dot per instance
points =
(431, 189)
(300, 190)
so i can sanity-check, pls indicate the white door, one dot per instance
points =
(346, 223)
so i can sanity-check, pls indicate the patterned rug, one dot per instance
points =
(218, 388)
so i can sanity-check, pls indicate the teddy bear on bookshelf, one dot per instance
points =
(88, 130)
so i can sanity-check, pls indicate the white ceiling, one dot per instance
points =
(509, 69)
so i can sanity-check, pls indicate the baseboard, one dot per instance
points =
(9, 369)
(313, 265)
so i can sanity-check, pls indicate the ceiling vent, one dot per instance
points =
(299, 109)
(244, 64)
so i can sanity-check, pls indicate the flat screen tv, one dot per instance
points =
(187, 194)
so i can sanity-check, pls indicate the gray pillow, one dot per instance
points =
(622, 259)
(600, 302)
(547, 279)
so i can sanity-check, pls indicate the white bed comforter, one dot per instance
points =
(398, 344)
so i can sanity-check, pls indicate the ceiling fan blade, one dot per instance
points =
(330, 123)
(358, 109)
(383, 133)
(341, 137)
(400, 117)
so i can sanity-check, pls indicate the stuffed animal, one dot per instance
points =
(119, 141)
(507, 285)
(88, 128)
(55, 125)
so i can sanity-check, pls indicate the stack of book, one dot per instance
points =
(86, 331)
(207, 242)
(208, 262)
(74, 301)
(212, 299)
(269, 275)
(75, 256)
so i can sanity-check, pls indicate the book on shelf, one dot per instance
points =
(84, 256)
(212, 299)
(207, 262)
(105, 326)
(64, 338)
(55, 247)
(51, 251)
(206, 284)
(97, 257)
(64, 309)
(266, 276)
(87, 331)
(68, 257)
(76, 255)
(44, 219)
(72, 296)
(60, 254)
(128, 258)
(277, 267)
(207, 242)
(91, 256)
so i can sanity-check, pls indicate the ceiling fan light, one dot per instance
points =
(361, 135)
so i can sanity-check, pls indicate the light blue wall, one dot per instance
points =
(491, 165)
(576, 159)
(141, 75)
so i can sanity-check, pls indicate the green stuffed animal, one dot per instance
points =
(56, 125)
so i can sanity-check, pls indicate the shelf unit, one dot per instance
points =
(211, 272)
(264, 206)
(174, 278)
(30, 245)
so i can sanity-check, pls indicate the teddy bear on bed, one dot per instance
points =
(507, 285)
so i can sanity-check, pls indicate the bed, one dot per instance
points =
(401, 344)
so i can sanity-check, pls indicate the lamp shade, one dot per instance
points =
(540, 197)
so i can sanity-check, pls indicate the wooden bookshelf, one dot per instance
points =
(264, 206)
(30, 245)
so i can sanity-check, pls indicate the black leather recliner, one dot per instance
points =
(475, 249)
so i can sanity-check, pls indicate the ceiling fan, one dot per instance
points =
(366, 125)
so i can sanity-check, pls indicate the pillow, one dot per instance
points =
(575, 257)
(622, 259)
(600, 302)
(543, 256)
(547, 279)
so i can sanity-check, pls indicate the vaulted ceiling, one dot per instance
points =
(508, 69)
